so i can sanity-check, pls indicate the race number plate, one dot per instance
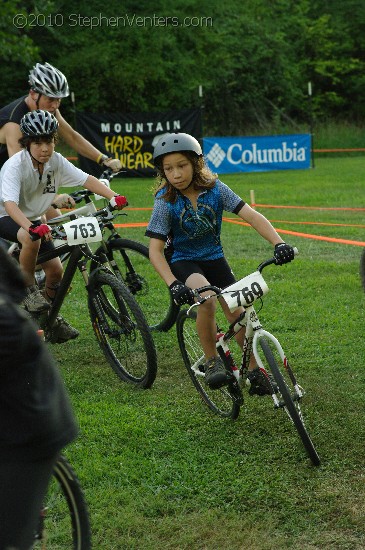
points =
(82, 230)
(245, 291)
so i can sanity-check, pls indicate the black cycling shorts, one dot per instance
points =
(217, 272)
(9, 230)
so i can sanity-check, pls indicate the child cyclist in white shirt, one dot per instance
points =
(29, 183)
(188, 210)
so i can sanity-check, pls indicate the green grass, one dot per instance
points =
(161, 472)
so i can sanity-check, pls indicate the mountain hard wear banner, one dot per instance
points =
(132, 137)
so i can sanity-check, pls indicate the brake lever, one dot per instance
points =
(200, 301)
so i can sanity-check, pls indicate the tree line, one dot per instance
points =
(248, 63)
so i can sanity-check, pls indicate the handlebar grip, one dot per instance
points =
(106, 174)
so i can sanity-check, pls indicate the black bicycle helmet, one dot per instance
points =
(177, 142)
(49, 81)
(38, 123)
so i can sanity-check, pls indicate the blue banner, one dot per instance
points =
(257, 154)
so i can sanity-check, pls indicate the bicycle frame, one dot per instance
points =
(254, 331)
(78, 259)
(78, 256)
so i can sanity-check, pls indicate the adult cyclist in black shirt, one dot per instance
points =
(48, 86)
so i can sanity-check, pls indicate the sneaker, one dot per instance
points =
(215, 373)
(259, 384)
(35, 302)
(62, 331)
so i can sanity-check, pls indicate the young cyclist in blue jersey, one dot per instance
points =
(29, 182)
(188, 209)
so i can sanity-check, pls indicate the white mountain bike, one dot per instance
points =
(267, 351)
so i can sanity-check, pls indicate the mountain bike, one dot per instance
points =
(118, 322)
(267, 351)
(64, 519)
(129, 260)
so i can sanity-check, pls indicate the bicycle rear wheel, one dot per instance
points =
(289, 400)
(121, 330)
(64, 520)
(223, 401)
(130, 261)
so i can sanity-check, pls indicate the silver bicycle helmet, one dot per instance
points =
(49, 81)
(173, 143)
(38, 123)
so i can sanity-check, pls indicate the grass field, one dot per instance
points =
(161, 472)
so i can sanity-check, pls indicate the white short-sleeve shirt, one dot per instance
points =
(21, 183)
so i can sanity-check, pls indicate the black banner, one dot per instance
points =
(131, 137)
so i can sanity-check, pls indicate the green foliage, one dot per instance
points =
(253, 59)
(17, 50)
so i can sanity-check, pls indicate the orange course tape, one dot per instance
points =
(304, 235)
(308, 207)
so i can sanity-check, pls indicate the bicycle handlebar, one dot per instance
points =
(81, 194)
(105, 214)
(218, 291)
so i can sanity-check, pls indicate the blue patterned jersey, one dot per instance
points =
(196, 233)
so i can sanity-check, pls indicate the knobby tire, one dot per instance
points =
(121, 329)
(64, 521)
(133, 265)
(289, 403)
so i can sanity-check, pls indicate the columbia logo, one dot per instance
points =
(216, 155)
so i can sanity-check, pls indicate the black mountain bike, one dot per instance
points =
(64, 519)
(129, 261)
(118, 322)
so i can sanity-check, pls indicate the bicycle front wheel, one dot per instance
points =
(64, 520)
(223, 401)
(121, 330)
(290, 401)
(130, 261)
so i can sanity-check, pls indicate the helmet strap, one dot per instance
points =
(39, 163)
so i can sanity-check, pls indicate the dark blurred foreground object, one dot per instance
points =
(36, 418)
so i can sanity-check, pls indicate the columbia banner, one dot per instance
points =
(131, 137)
(257, 154)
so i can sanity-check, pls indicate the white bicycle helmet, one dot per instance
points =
(173, 143)
(38, 123)
(49, 81)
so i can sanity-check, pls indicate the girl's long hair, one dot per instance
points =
(203, 177)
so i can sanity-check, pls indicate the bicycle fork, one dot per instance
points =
(298, 391)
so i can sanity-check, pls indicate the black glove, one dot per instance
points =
(283, 253)
(181, 293)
